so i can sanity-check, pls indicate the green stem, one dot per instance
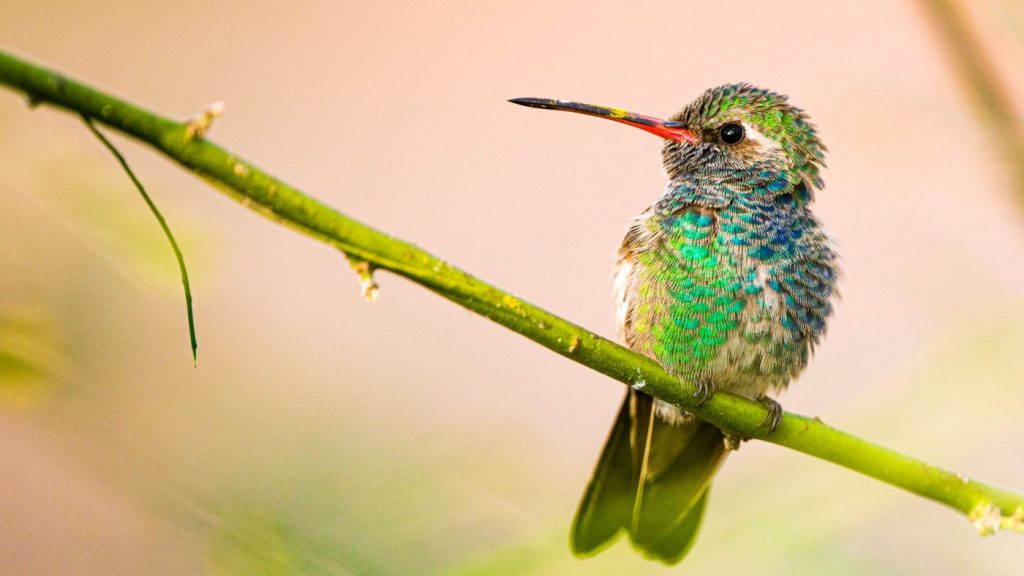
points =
(259, 191)
(163, 226)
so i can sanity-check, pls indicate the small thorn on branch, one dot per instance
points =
(198, 125)
(367, 284)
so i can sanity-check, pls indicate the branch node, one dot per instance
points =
(367, 285)
(986, 517)
(198, 125)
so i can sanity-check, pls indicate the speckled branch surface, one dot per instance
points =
(988, 507)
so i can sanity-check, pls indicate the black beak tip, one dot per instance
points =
(532, 102)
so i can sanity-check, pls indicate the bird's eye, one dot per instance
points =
(731, 133)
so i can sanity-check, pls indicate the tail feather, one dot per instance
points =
(651, 480)
(607, 504)
(677, 543)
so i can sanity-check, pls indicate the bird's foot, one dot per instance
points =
(705, 390)
(774, 413)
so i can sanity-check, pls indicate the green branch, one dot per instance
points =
(989, 508)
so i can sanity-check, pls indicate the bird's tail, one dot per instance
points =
(652, 480)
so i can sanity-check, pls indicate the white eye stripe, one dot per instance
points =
(764, 142)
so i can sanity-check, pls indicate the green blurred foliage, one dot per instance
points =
(31, 361)
(96, 201)
(243, 542)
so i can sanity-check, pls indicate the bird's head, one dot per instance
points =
(746, 138)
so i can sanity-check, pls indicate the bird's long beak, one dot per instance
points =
(665, 128)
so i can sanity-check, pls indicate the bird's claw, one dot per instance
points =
(705, 390)
(774, 416)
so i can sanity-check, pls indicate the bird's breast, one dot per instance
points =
(730, 296)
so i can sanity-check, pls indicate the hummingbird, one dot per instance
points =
(727, 281)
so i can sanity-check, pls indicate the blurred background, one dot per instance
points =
(323, 434)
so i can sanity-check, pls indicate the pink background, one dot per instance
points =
(324, 434)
